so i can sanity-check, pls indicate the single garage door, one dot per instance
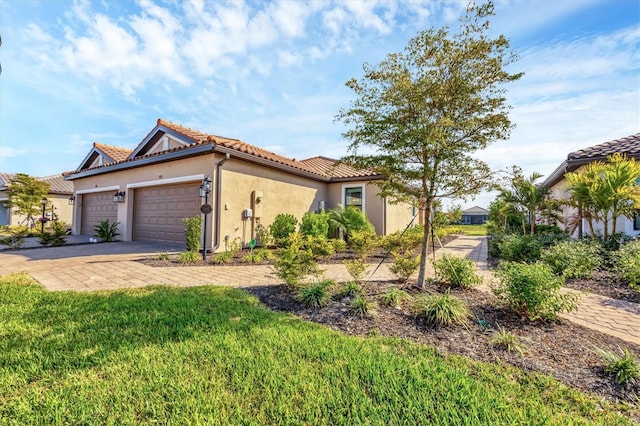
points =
(97, 207)
(159, 210)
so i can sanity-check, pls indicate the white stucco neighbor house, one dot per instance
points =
(628, 146)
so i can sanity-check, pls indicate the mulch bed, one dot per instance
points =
(606, 284)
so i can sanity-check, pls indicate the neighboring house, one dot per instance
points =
(628, 146)
(150, 189)
(475, 216)
(58, 205)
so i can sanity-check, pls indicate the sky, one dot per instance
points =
(273, 73)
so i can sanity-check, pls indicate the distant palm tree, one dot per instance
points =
(526, 197)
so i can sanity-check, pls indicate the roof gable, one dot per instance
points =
(102, 154)
(475, 210)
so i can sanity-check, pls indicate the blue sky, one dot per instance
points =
(272, 73)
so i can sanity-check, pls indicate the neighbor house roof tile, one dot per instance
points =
(58, 184)
(333, 168)
(629, 145)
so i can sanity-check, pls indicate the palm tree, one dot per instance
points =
(526, 197)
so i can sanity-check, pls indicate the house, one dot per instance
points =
(57, 207)
(628, 146)
(475, 216)
(175, 171)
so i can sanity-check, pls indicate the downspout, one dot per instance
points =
(216, 229)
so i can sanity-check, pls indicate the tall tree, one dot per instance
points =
(25, 194)
(420, 115)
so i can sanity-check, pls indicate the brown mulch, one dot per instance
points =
(606, 284)
(557, 348)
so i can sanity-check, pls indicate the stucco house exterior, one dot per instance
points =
(475, 216)
(58, 204)
(150, 189)
(628, 146)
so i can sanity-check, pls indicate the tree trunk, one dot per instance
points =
(425, 244)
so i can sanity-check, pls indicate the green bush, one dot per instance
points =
(399, 241)
(441, 309)
(573, 258)
(356, 268)
(192, 230)
(533, 290)
(316, 295)
(258, 256)
(456, 272)
(625, 369)
(319, 246)
(106, 231)
(394, 297)
(520, 248)
(362, 306)
(16, 237)
(339, 246)
(57, 236)
(188, 257)
(315, 224)
(222, 257)
(626, 263)
(283, 225)
(263, 235)
(344, 221)
(363, 242)
(404, 264)
(294, 262)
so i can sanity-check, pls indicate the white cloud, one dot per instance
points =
(8, 151)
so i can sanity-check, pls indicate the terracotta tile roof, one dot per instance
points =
(332, 168)
(629, 145)
(115, 152)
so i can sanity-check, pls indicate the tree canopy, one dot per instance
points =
(420, 115)
(25, 194)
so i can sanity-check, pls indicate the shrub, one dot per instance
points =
(263, 235)
(456, 271)
(316, 295)
(363, 242)
(294, 262)
(399, 241)
(350, 288)
(573, 258)
(57, 236)
(16, 237)
(338, 245)
(625, 369)
(319, 246)
(520, 248)
(192, 230)
(394, 297)
(258, 256)
(627, 263)
(344, 221)
(188, 257)
(222, 257)
(404, 264)
(315, 224)
(362, 306)
(505, 340)
(356, 268)
(533, 290)
(283, 225)
(441, 309)
(106, 231)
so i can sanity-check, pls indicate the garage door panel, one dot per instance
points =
(158, 211)
(97, 207)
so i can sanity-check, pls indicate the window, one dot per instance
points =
(354, 197)
(636, 221)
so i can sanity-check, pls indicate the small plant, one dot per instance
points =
(222, 257)
(505, 340)
(163, 255)
(294, 262)
(394, 297)
(258, 256)
(339, 246)
(316, 295)
(456, 271)
(192, 230)
(16, 237)
(283, 225)
(350, 288)
(362, 306)
(441, 309)
(404, 264)
(626, 262)
(573, 258)
(357, 269)
(533, 290)
(106, 231)
(188, 257)
(263, 235)
(625, 369)
(57, 236)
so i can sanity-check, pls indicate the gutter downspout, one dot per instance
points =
(216, 229)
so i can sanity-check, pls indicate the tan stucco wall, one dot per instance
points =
(399, 216)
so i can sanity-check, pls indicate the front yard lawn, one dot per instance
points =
(211, 355)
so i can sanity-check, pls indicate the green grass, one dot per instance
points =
(476, 230)
(211, 355)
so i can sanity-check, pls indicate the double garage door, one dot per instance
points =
(158, 211)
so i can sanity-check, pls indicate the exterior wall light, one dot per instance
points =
(72, 200)
(118, 197)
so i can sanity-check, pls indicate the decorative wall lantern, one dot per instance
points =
(72, 200)
(205, 187)
(118, 197)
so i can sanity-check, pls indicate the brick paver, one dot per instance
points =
(112, 266)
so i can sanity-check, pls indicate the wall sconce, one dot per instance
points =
(258, 199)
(72, 200)
(118, 197)
(205, 187)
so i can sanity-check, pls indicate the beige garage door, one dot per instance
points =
(97, 207)
(159, 210)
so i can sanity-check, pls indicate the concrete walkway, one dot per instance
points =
(111, 266)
